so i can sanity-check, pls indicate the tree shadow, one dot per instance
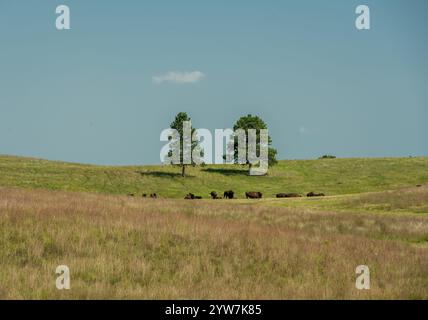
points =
(161, 174)
(227, 172)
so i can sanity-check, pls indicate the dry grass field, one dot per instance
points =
(120, 247)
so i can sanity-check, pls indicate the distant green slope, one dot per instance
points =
(331, 176)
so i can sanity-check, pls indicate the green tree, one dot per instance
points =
(179, 144)
(253, 122)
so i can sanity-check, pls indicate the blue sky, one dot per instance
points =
(88, 95)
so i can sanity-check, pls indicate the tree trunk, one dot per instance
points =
(183, 170)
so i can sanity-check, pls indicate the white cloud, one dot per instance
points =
(179, 77)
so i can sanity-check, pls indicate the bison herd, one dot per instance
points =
(144, 195)
(258, 195)
(231, 195)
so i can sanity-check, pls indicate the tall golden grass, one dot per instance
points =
(119, 247)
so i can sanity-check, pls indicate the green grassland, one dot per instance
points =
(375, 213)
(330, 176)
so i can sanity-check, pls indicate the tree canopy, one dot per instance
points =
(253, 122)
(180, 143)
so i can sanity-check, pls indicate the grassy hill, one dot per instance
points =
(331, 176)
(305, 248)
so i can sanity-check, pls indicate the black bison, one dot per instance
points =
(131, 195)
(313, 194)
(253, 195)
(288, 195)
(153, 195)
(144, 195)
(191, 196)
(228, 194)
(214, 195)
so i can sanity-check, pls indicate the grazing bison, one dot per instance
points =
(153, 195)
(131, 195)
(253, 195)
(313, 194)
(144, 195)
(228, 194)
(288, 195)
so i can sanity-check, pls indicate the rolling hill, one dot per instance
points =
(330, 176)
(123, 247)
